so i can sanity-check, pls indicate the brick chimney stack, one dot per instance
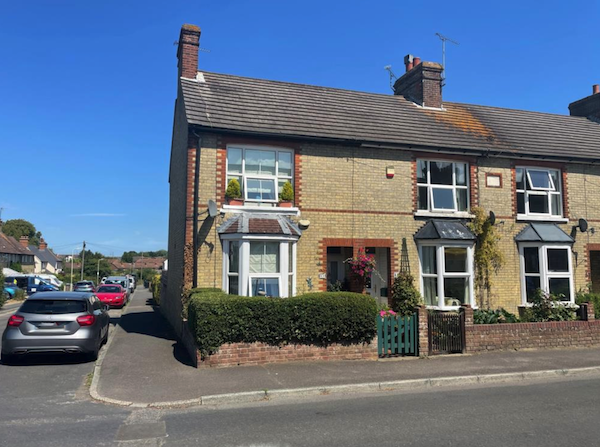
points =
(43, 244)
(187, 52)
(24, 241)
(422, 82)
(588, 106)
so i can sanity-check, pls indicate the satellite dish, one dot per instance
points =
(492, 218)
(583, 225)
(212, 208)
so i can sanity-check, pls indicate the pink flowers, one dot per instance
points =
(387, 313)
(362, 264)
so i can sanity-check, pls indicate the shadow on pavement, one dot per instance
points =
(48, 359)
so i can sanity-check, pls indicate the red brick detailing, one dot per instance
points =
(236, 354)
(473, 184)
(413, 175)
(356, 244)
(423, 328)
(588, 260)
(221, 185)
(513, 188)
(190, 177)
(493, 174)
(557, 334)
(565, 192)
(298, 177)
(187, 53)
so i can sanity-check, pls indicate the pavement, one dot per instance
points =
(143, 365)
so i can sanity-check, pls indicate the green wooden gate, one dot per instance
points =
(396, 336)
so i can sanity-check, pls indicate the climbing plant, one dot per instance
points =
(488, 257)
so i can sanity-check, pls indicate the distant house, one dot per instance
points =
(148, 263)
(13, 252)
(45, 260)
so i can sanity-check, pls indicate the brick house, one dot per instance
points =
(15, 252)
(396, 175)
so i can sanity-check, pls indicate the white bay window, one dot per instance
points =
(547, 267)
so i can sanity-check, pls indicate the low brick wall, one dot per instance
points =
(235, 354)
(559, 334)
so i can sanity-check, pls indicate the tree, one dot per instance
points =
(21, 227)
(128, 256)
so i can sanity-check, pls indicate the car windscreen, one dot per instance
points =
(53, 307)
(109, 289)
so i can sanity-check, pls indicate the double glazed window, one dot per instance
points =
(546, 267)
(442, 186)
(538, 192)
(259, 268)
(446, 275)
(260, 172)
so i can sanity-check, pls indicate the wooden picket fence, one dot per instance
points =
(397, 336)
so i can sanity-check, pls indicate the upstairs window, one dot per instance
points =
(538, 192)
(442, 186)
(261, 172)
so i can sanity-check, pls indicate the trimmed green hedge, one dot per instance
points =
(216, 318)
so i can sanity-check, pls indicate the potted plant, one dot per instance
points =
(287, 195)
(361, 266)
(234, 193)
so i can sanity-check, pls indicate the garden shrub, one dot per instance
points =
(490, 316)
(185, 298)
(405, 296)
(19, 295)
(155, 286)
(287, 192)
(233, 191)
(216, 318)
(590, 297)
(547, 307)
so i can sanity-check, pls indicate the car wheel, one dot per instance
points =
(105, 339)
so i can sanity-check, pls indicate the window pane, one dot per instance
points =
(456, 259)
(285, 163)
(560, 288)
(521, 202)
(460, 170)
(264, 257)
(234, 251)
(538, 203)
(532, 260)
(233, 285)
(441, 172)
(456, 291)
(532, 284)
(461, 199)
(264, 287)
(520, 178)
(422, 197)
(428, 263)
(539, 179)
(555, 200)
(421, 171)
(234, 160)
(291, 258)
(443, 199)
(558, 260)
(430, 291)
(554, 176)
(260, 189)
(260, 162)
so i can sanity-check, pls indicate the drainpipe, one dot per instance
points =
(196, 194)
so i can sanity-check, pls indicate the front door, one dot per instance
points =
(377, 286)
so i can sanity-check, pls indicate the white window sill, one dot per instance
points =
(293, 211)
(452, 214)
(526, 218)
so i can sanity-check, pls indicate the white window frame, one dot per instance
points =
(544, 274)
(440, 245)
(454, 187)
(556, 190)
(244, 176)
(244, 275)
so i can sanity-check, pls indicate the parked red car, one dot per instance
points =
(112, 294)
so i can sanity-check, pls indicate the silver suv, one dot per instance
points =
(60, 322)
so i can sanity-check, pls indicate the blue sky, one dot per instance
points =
(87, 88)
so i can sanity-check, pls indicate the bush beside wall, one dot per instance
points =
(321, 319)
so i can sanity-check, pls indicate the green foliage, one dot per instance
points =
(233, 189)
(19, 295)
(488, 256)
(216, 318)
(185, 298)
(16, 266)
(405, 296)
(2, 295)
(129, 255)
(287, 192)
(155, 287)
(489, 316)
(547, 307)
(589, 297)
(21, 227)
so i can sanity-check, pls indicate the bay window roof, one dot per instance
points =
(251, 223)
(542, 232)
(445, 229)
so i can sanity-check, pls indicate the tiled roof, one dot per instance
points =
(445, 229)
(44, 255)
(248, 223)
(10, 245)
(234, 103)
(541, 232)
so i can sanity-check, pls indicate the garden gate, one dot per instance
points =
(446, 332)
(396, 335)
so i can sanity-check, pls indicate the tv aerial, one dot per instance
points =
(392, 75)
(445, 39)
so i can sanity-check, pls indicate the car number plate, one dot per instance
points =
(48, 324)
